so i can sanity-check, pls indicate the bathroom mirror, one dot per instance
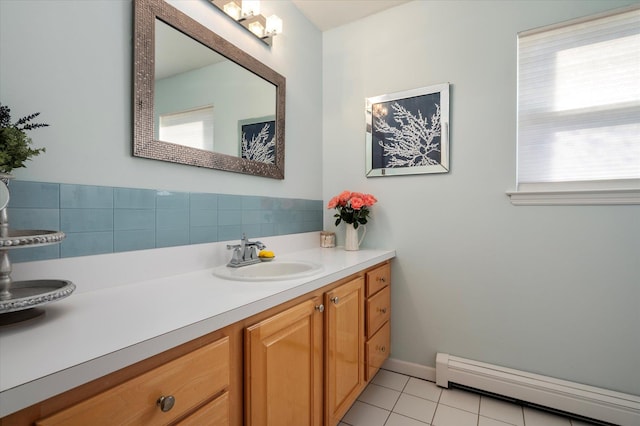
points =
(201, 101)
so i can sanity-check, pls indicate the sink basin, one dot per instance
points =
(276, 270)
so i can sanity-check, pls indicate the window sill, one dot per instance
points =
(575, 197)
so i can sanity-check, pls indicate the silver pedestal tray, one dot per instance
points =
(26, 297)
(20, 300)
(22, 238)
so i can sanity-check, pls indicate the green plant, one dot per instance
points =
(14, 143)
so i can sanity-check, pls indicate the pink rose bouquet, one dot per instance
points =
(352, 207)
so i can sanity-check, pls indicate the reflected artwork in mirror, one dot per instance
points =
(201, 101)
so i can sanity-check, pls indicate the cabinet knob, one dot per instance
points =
(320, 308)
(166, 403)
(382, 349)
(382, 310)
(382, 279)
(335, 300)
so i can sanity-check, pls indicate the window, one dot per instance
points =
(579, 112)
(192, 128)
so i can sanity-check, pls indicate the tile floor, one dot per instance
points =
(393, 399)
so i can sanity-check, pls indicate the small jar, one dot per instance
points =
(327, 239)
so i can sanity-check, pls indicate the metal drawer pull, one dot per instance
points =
(166, 403)
(335, 300)
(320, 308)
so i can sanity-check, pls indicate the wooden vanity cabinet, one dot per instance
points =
(303, 362)
(378, 314)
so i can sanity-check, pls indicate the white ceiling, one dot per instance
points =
(327, 14)
(175, 44)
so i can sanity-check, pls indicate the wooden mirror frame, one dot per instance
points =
(144, 145)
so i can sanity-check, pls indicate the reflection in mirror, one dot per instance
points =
(200, 97)
(201, 101)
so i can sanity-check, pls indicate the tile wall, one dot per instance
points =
(101, 219)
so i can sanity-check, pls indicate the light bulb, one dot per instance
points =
(232, 9)
(250, 8)
(274, 25)
(257, 28)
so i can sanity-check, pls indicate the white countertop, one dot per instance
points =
(93, 333)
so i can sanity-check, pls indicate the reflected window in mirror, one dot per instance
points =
(192, 128)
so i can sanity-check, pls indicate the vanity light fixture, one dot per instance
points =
(247, 14)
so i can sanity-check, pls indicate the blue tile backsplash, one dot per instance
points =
(101, 219)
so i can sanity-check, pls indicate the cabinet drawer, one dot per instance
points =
(190, 379)
(377, 279)
(378, 310)
(215, 413)
(378, 348)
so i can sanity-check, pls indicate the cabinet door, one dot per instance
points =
(344, 351)
(284, 368)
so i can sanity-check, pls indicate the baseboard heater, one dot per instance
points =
(582, 400)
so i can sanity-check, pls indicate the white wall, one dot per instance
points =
(72, 61)
(551, 290)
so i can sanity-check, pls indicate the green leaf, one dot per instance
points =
(14, 145)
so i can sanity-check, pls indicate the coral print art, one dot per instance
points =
(258, 142)
(407, 132)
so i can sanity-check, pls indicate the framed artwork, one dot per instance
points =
(408, 132)
(258, 139)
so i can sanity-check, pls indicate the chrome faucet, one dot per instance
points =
(245, 253)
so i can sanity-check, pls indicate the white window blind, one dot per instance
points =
(579, 103)
(192, 128)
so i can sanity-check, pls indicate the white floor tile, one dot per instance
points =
(486, 421)
(533, 417)
(361, 414)
(416, 408)
(396, 419)
(449, 416)
(379, 396)
(501, 410)
(393, 399)
(462, 399)
(423, 389)
(389, 379)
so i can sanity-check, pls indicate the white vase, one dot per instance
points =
(352, 242)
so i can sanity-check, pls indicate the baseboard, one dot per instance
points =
(410, 369)
(582, 400)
